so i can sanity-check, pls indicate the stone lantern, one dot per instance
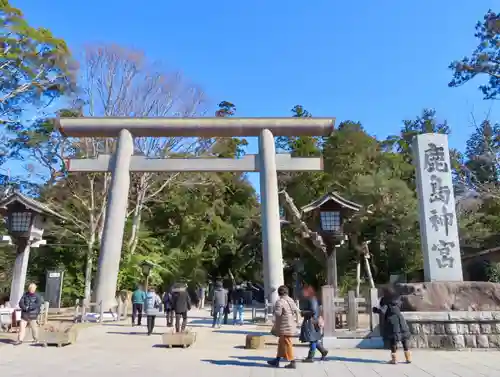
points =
(327, 215)
(26, 220)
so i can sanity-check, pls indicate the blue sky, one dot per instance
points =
(377, 62)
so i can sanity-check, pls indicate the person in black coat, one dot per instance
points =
(227, 308)
(30, 305)
(311, 330)
(181, 304)
(169, 310)
(238, 298)
(395, 328)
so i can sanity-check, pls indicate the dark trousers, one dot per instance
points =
(150, 320)
(394, 345)
(218, 312)
(317, 345)
(169, 314)
(136, 313)
(178, 316)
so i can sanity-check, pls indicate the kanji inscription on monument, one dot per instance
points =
(438, 219)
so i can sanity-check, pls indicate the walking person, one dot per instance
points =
(238, 299)
(30, 305)
(227, 308)
(181, 304)
(395, 328)
(202, 292)
(169, 311)
(311, 330)
(285, 328)
(219, 303)
(151, 308)
(138, 298)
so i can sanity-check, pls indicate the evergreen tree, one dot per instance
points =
(482, 152)
(484, 60)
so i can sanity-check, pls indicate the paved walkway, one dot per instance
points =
(120, 350)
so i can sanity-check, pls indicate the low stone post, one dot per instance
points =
(45, 313)
(267, 312)
(101, 312)
(119, 309)
(328, 303)
(125, 310)
(77, 309)
(124, 298)
(373, 301)
(86, 308)
(352, 311)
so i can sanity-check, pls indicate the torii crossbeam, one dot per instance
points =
(267, 163)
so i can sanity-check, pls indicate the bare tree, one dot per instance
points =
(117, 81)
(121, 82)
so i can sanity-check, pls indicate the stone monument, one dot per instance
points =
(438, 220)
(443, 288)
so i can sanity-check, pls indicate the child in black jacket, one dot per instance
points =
(395, 327)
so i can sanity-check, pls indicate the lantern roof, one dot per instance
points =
(331, 196)
(29, 203)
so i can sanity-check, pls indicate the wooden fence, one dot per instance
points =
(335, 309)
(264, 313)
(118, 312)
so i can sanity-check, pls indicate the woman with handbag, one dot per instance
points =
(285, 328)
(311, 330)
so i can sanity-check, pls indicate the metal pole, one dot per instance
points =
(146, 283)
(116, 211)
(18, 284)
(270, 217)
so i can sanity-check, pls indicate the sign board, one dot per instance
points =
(438, 218)
(53, 288)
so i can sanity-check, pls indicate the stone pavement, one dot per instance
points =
(121, 350)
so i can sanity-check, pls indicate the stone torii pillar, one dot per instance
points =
(267, 163)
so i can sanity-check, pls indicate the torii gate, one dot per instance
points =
(267, 163)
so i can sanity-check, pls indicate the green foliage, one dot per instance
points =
(228, 147)
(493, 272)
(402, 143)
(482, 153)
(35, 66)
(484, 60)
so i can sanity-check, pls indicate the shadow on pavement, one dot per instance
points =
(355, 360)
(132, 333)
(246, 332)
(206, 321)
(7, 341)
(251, 358)
(236, 363)
(331, 358)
